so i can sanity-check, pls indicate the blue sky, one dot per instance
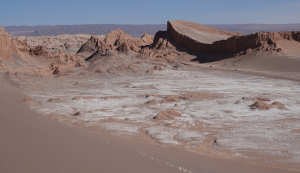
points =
(37, 12)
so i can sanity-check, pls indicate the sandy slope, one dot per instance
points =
(200, 33)
(279, 66)
(31, 143)
(291, 48)
(34, 144)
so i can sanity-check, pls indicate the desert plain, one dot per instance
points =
(183, 100)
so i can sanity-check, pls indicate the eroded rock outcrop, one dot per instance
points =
(46, 55)
(147, 39)
(215, 44)
(7, 46)
(161, 49)
(116, 41)
(90, 46)
(264, 41)
(123, 42)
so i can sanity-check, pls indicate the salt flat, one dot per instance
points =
(214, 107)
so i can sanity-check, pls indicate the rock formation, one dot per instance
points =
(182, 42)
(116, 41)
(188, 36)
(147, 39)
(265, 41)
(210, 44)
(38, 51)
(39, 55)
(7, 46)
(90, 46)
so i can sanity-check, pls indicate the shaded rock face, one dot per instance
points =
(296, 36)
(7, 47)
(95, 47)
(90, 46)
(162, 41)
(266, 41)
(37, 51)
(161, 49)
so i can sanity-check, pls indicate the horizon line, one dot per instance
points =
(35, 25)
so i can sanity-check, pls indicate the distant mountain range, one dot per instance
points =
(93, 29)
(136, 30)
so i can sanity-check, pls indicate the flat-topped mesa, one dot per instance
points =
(7, 46)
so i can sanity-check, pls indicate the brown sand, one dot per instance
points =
(278, 66)
(31, 143)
